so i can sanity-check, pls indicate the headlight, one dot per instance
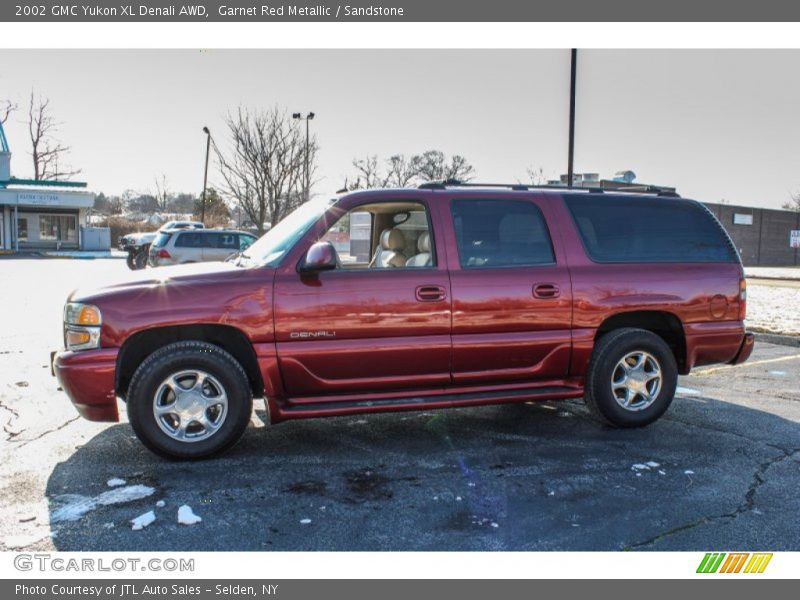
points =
(76, 313)
(81, 326)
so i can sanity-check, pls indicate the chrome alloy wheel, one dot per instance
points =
(636, 381)
(190, 406)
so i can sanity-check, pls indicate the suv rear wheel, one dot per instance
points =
(189, 400)
(632, 378)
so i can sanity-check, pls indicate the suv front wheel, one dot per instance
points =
(189, 400)
(632, 378)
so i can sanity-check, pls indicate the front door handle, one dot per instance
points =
(546, 290)
(430, 293)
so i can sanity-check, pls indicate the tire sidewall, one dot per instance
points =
(210, 359)
(606, 403)
(140, 260)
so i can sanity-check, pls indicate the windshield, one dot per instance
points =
(273, 245)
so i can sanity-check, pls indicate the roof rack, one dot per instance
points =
(522, 187)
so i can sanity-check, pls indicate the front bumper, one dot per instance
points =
(745, 350)
(88, 378)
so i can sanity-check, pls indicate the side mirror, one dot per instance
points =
(320, 257)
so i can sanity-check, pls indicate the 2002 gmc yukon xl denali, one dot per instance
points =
(388, 300)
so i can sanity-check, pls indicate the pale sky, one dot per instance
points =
(719, 124)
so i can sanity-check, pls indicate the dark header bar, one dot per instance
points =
(401, 11)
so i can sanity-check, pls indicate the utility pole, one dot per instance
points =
(306, 174)
(571, 157)
(205, 177)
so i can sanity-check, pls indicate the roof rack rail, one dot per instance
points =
(519, 187)
(522, 187)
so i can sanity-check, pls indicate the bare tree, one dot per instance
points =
(794, 204)
(535, 176)
(368, 174)
(6, 108)
(262, 168)
(46, 150)
(163, 195)
(401, 171)
(433, 165)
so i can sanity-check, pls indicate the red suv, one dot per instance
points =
(443, 296)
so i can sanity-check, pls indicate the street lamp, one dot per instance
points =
(205, 177)
(307, 118)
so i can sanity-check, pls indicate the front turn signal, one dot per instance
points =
(76, 313)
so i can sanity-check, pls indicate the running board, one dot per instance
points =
(418, 402)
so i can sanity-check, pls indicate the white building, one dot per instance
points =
(39, 214)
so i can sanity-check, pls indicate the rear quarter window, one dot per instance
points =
(645, 229)
(161, 239)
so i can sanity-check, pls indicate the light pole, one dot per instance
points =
(307, 184)
(205, 177)
(571, 156)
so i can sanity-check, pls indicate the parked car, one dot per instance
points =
(176, 247)
(440, 297)
(137, 245)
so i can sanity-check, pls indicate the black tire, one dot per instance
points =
(140, 260)
(181, 357)
(605, 370)
(130, 261)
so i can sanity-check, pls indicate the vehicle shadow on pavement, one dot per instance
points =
(709, 475)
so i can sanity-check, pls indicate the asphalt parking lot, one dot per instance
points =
(720, 471)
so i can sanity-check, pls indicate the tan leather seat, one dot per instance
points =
(390, 254)
(423, 258)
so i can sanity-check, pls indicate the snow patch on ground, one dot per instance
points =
(305, 521)
(645, 466)
(115, 482)
(687, 391)
(773, 272)
(143, 521)
(161, 504)
(186, 516)
(74, 506)
(773, 309)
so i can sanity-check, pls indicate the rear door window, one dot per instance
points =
(189, 240)
(501, 233)
(210, 240)
(648, 229)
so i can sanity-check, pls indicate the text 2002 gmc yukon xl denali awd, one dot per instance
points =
(436, 297)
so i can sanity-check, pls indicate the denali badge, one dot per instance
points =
(312, 334)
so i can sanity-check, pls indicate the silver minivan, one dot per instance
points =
(176, 246)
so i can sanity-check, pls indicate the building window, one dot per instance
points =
(22, 229)
(58, 228)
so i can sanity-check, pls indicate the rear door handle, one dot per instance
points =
(546, 290)
(430, 293)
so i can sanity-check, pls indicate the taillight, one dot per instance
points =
(163, 254)
(742, 298)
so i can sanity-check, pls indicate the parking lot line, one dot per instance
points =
(746, 364)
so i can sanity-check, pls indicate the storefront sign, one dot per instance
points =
(54, 199)
(794, 238)
(40, 199)
(742, 219)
